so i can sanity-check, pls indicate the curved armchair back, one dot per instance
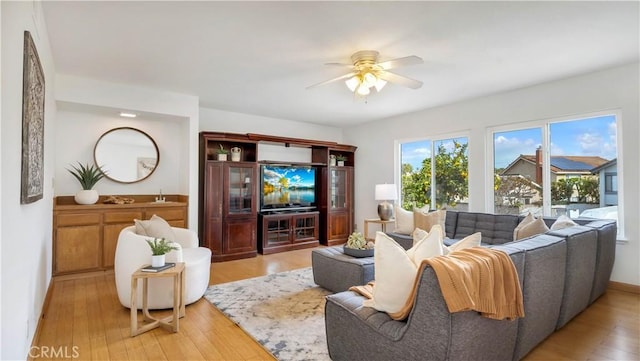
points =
(133, 252)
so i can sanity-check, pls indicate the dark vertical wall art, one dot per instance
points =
(32, 124)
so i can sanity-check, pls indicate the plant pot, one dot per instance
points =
(222, 157)
(358, 253)
(87, 196)
(341, 163)
(157, 261)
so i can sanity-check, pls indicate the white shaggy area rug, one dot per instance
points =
(283, 311)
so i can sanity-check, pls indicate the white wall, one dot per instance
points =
(613, 89)
(223, 121)
(91, 126)
(88, 107)
(25, 229)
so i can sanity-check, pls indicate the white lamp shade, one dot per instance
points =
(386, 192)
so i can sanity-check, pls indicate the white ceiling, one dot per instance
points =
(259, 57)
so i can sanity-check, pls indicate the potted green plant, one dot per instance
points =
(358, 246)
(222, 153)
(88, 176)
(159, 248)
(341, 159)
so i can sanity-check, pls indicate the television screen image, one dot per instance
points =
(285, 186)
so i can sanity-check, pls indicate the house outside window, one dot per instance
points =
(556, 167)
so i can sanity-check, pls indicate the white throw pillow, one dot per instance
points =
(155, 227)
(428, 220)
(430, 245)
(395, 274)
(532, 228)
(418, 234)
(563, 222)
(404, 221)
(469, 241)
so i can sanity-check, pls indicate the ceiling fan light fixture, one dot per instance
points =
(363, 90)
(369, 79)
(380, 84)
(352, 83)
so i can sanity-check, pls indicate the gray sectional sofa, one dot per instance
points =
(561, 273)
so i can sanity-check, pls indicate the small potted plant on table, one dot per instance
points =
(159, 248)
(341, 159)
(357, 246)
(88, 176)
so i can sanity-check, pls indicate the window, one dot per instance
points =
(442, 160)
(611, 183)
(557, 167)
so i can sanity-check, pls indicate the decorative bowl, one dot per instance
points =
(358, 253)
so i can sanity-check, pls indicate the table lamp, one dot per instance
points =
(385, 193)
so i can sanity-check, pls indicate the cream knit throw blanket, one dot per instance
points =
(479, 279)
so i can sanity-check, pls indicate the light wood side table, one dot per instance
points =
(171, 322)
(382, 223)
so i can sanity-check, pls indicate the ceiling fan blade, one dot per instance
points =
(341, 65)
(394, 63)
(399, 79)
(348, 75)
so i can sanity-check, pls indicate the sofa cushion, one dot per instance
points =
(495, 229)
(562, 222)
(467, 242)
(155, 227)
(427, 246)
(537, 226)
(396, 270)
(528, 219)
(404, 221)
(427, 220)
(395, 273)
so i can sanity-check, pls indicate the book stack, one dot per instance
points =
(158, 269)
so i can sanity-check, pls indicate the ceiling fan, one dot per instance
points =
(366, 73)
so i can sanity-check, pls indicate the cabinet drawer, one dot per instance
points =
(167, 214)
(78, 219)
(122, 217)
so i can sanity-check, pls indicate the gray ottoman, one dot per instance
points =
(335, 271)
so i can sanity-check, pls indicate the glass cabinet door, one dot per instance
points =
(241, 182)
(339, 188)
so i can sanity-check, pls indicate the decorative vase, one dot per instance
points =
(332, 160)
(157, 261)
(222, 156)
(86, 196)
(341, 163)
(235, 154)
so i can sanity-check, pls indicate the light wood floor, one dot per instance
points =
(86, 313)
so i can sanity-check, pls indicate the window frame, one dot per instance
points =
(397, 176)
(544, 124)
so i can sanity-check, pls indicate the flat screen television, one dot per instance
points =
(287, 186)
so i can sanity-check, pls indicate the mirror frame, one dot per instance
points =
(106, 174)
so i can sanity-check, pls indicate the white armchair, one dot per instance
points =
(132, 252)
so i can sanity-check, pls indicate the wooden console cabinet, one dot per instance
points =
(288, 231)
(228, 192)
(85, 236)
(229, 196)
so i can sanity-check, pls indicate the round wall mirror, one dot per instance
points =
(126, 155)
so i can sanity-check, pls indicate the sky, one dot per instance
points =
(587, 137)
(298, 176)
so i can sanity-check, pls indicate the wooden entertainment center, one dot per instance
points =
(231, 221)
